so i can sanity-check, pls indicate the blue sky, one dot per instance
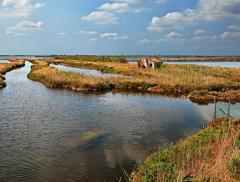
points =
(163, 27)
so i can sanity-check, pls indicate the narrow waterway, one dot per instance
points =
(58, 135)
(88, 72)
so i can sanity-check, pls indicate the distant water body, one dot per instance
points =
(212, 64)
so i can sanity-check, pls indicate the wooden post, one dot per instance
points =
(228, 110)
(215, 108)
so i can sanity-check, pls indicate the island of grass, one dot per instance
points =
(200, 83)
(211, 155)
(5, 67)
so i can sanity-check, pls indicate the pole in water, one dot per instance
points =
(215, 108)
(228, 110)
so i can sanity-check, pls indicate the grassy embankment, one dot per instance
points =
(197, 81)
(211, 155)
(5, 67)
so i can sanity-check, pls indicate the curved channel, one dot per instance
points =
(58, 135)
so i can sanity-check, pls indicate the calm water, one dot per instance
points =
(219, 64)
(88, 72)
(4, 61)
(58, 135)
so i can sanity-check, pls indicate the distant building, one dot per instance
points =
(150, 63)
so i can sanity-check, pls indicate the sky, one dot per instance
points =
(122, 27)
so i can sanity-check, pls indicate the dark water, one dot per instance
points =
(57, 135)
(87, 72)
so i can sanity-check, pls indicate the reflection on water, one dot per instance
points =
(87, 72)
(57, 135)
(219, 64)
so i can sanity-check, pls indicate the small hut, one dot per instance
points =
(150, 63)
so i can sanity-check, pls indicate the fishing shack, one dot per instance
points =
(153, 63)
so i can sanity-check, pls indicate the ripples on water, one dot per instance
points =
(58, 135)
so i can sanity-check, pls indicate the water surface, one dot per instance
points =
(58, 135)
(88, 72)
(212, 64)
(4, 61)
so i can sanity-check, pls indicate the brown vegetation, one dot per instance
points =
(211, 155)
(169, 79)
(5, 67)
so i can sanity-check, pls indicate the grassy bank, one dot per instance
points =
(5, 67)
(169, 79)
(211, 155)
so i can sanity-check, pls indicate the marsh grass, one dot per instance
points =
(5, 67)
(210, 155)
(169, 79)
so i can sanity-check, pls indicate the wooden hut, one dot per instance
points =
(150, 63)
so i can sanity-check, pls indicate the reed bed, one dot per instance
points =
(5, 67)
(169, 79)
(211, 155)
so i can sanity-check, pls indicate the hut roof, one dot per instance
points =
(155, 60)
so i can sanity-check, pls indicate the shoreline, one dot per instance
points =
(225, 86)
(6, 67)
(199, 157)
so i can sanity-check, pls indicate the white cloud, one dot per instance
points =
(113, 36)
(199, 32)
(93, 39)
(114, 7)
(18, 8)
(24, 26)
(142, 1)
(106, 13)
(39, 5)
(63, 35)
(101, 17)
(234, 27)
(220, 37)
(144, 41)
(173, 35)
(203, 37)
(229, 35)
(87, 32)
(207, 10)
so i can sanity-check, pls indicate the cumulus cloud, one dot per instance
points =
(114, 7)
(22, 27)
(144, 41)
(63, 35)
(173, 35)
(199, 32)
(141, 1)
(229, 35)
(18, 8)
(106, 13)
(101, 17)
(234, 27)
(207, 10)
(113, 36)
(87, 32)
